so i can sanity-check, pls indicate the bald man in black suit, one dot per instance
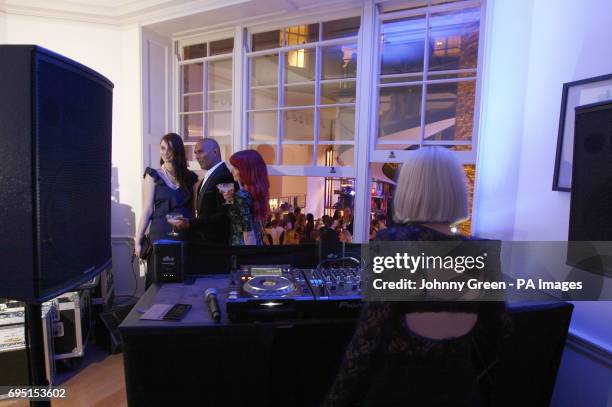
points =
(211, 224)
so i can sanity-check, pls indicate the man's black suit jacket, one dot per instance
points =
(212, 225)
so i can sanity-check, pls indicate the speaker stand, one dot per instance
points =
(36, 350)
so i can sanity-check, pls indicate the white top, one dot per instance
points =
(275, 233)
(208, 174)
(163, 173)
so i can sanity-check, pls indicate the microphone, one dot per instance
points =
(210, 297)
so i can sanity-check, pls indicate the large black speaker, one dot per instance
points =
(591, 198)
(55, 183)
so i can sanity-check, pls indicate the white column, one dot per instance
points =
(239, 89)
(314, 196)
(365, 112)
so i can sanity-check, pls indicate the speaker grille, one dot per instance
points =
(73, 169)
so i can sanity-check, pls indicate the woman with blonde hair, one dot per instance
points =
(417, 352)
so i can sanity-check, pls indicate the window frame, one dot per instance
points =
(366, 94)
(178, 115)
(312, 170)
(399, 156)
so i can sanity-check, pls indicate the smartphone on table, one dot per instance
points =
(177, 312)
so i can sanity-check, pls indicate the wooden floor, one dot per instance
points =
(99, 384)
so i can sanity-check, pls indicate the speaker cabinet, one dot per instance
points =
(169, 261)
(591, 197)
(55, 186)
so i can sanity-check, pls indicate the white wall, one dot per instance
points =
(2, 27)
(533, 48)
(502, 108)
(113, 52)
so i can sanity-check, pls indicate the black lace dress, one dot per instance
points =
(386, 364)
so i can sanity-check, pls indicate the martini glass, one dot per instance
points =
(224, 189)
(172, 218)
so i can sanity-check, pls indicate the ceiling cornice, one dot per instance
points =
(177, 11)
(134, 12)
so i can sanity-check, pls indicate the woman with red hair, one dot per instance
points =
(250, 204)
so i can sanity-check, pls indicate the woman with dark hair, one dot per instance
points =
(167, 190)
(418, 352)
(250, 204)
(310, 225)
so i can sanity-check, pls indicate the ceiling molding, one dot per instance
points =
(124, 12)
(172, 12)
(280, 17)
(57, 14)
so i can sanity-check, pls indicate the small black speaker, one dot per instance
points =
(591, 196)
(169, 261)
(55, 127)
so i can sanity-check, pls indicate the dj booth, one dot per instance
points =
(292, 361)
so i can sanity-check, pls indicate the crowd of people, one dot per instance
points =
(294, 227)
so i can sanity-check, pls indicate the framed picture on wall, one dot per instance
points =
(577, 93)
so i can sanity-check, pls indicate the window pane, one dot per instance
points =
(337, 123)
(194, 51)
(267, 40)
(220, 100)
(336, 156)
(189, 154)
(339, 92)
(297, 154)
(192, 103)
(267, 151)
(299, 95)
(301, 34)
(263, 126)
(222, 47)
(264, 70)
(192, 127)
(220, 75)
(400, 115)
(220, 125)
(298, 124)
(347, 27)
(403, 44)
(454, 40)
(226, 146)
(450, 111)
(264, 98)
(300, 65)
(192, 78)
(339, 61)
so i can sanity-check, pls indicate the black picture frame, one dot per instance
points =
(576, 93)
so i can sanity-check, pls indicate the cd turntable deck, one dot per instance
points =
(268, 292)
(281, 292)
